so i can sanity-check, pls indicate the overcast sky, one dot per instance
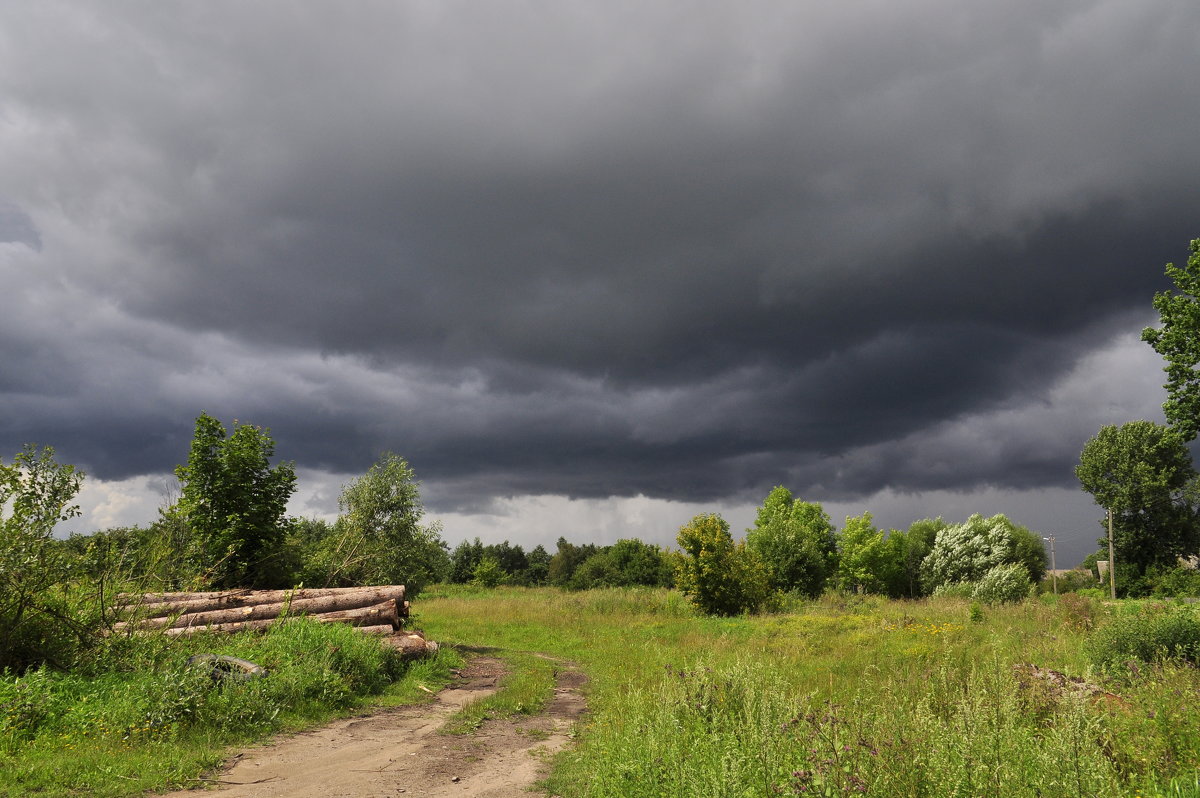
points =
(594, 267)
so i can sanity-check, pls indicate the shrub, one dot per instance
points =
(1003, 584)
(954, 590)
(1172, 582)
(487, 573)
(1151, 634)
(717, 575)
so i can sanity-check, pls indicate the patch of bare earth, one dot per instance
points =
(398, 752)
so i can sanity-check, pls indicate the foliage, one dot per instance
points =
(1151, 634)
(954, 590)
(1178, 341)
(866, 563)
(1140, 471)
(1075, 579)
(487, 573)
(463, 559)
(1180, 581)
(717, 575)
(626, 563)
(1003, 583)
(35, 620)
(139, 718)
(965, 552)
(234, 503)
(908, 549)
(538, 572)
(797, 542)
(566, 560)
(517, 567)
(378, 538)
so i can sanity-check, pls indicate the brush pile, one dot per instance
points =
(379, 610)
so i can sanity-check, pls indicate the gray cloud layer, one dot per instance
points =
(683, 250)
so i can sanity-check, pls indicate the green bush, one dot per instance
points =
(1151, 634)
(717, 575)
(954, 590)
(1003, 584)
(487, 573)
(1174, 582)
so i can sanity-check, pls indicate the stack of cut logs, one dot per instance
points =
(373, 610)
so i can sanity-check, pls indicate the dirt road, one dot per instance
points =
(398, 752)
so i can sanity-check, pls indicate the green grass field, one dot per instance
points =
(843, 696)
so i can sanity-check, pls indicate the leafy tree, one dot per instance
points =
(1141, 472)
(719, 576)
(464, 559)
(796, 541)
(512, 560)
(866, 563)
(538, 572)
(964, 552)
(379, 538)
(595, 572)
(908, 550)
(1178, 341)
(566, 560)
(234, 502)
(35, 495)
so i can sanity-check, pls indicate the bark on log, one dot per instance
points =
(255, 612)
(384, 612)
(157, 605)
(412, 645)
(243, 626)
(258, 626)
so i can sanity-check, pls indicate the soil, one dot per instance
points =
(399, 752)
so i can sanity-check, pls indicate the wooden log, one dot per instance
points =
(412, 645)
(242, 626)
(152, 607)
(384, 612)
(262, 625)
(254, 612)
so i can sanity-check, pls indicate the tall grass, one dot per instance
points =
(841, 696)
(139, 717)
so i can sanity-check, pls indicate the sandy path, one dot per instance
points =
(395, 752)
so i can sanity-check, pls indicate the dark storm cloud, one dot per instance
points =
(590, 249)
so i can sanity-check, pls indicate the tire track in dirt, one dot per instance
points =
(398, 752)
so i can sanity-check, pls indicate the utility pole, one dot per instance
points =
(1112, 571)
(1053, 566)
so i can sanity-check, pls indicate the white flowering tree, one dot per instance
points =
(966, 552)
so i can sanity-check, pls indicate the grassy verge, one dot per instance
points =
(139, 718)
(841, 696)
